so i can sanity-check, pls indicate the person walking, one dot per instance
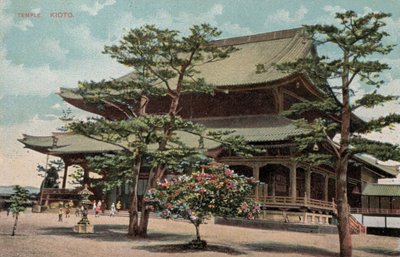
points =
(67, 211)
(60, 214)
(103, 207)
(97, 211)
(112, 210)
(94, 205)
(77, 211)
(118, 206)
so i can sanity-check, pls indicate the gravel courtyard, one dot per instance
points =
(42, 235)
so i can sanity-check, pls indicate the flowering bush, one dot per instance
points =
(216, 192)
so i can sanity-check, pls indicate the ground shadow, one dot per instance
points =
(289, 248)
(378, 251)
(183, 248)
(111, 232)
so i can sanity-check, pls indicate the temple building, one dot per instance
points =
(250, 96)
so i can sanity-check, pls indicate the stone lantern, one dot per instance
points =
(84, 225)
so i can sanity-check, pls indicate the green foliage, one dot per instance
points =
(163, 62)
(146, 133)
(381, 122)
(50, 174)
(19, 199)
(115, 169)
(197, 197)
(315, 136)
(77, 176)
(357, 39)
(373, 99)
(328, 106)
(382, 151)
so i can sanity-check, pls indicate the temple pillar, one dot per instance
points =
(86, 179)
(326, 188)
(64, 182)
(307, 186)
(293, 176)
(273, 184)
(256, 171)
(256, 176)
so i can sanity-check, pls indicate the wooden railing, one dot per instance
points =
(375, 211)
(298, 202)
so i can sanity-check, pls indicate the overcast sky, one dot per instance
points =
(60, 43)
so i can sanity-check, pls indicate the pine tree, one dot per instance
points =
(358, 41)
(50, 173)
(164, 65)
(19, 200)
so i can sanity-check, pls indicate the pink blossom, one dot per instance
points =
(228, 172)
(230, 184)
(168, 206)
(250, 216)
(244, 206)
(251, 180)
(165, 184)
(165, 213)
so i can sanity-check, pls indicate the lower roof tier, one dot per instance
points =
(254, 129)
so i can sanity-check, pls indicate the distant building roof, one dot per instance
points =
(381, 190)
(392, 170)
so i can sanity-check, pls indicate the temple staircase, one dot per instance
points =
(356, 227)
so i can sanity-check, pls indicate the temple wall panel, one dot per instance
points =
(317, 186)
(301, 182)
(233, 103)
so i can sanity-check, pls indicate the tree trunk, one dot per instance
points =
(343, 210)
(197, 226)
(144, 221)
(154, 178)
(133, 228)
(15, 224)
(145, 214)
(341, 168)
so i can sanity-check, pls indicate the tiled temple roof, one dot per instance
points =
(240, 69)
(262, 128)
(67, 143)
(381, 190)
(392, 170)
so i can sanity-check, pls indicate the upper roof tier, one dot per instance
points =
(256, 52)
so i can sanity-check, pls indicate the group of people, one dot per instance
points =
(101, 206)
(98, 207)
(65, 209)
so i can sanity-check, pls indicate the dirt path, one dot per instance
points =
(42, 235)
